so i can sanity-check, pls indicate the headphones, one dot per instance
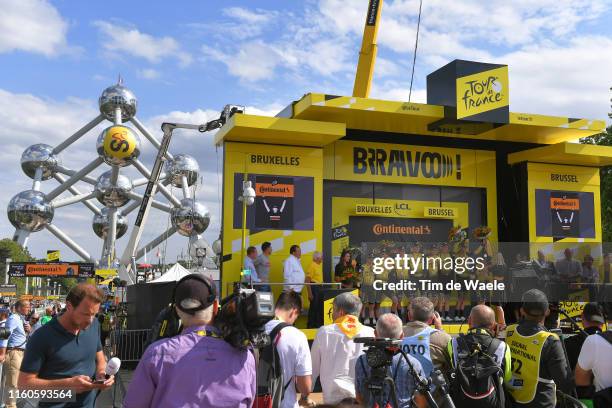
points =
(212, 292)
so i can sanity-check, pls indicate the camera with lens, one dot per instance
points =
(243, 315)
(4, 333)
(379, 352)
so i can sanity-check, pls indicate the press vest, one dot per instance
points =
(418, 346)
(526, 352)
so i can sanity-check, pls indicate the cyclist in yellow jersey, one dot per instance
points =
(539, 366)
(369, 296)
(445, 275)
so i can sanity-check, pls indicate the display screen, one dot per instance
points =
(565, 214)
(281, 203)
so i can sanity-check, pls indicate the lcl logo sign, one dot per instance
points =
(402, 208)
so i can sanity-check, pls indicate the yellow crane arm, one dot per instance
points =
(367, 54)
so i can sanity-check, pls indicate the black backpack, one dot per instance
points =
(477, 378)
(270, 387)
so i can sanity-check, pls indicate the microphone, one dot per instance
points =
(112, 367)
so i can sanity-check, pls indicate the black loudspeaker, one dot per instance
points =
(145, 301)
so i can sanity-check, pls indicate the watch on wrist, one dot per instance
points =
(304, 397)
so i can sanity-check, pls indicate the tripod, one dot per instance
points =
(423, 385)
(376, 385)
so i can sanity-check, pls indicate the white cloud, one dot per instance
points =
(131, 41)
(571, 80)
(32, 26)
(249, 16)
(252, 62)
(149, 73)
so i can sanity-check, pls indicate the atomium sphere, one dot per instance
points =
(30, 211)
(117, 96)
(39, 156)
(183, 165)
(217, 247)
(191, 218)
(113, 195)
(118, 145)
(101, 224)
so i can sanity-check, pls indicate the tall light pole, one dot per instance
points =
(247, 198)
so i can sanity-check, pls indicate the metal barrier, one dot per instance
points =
(128, 345)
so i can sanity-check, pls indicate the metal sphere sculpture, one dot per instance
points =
(118, 145)
(113, 195)
(183, 165)
(118, 96)
(191, 218)
(39, 156)
(101, 224)
(30, 211)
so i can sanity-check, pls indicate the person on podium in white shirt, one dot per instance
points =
(293, 272)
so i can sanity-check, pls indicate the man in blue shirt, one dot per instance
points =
(389, 326)
(12, 349)
(66, 353)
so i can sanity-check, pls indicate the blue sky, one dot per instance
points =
(185, 60)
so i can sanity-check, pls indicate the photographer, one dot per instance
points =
(389, 326)
(197, 367)
(66, 352)
(13, 348)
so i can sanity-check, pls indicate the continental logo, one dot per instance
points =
(275, 160)
(482, 92)
(406, 163)
(564, 178)
(572, 204)
(274, 190)
(380, 229)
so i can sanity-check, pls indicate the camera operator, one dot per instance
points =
(539, 366)
(196, 367)
(12, 349)
(389, 326)
(66, 352)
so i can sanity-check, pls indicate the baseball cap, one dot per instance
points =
(593, 313)
(194, 292)
(535, 302)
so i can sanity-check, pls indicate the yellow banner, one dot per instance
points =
(391, 163)
(106, 273)
(440, 212)
(53, 256)
(482, 92)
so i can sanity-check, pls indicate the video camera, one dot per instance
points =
(379, 352)
(243, 315)
(4, 333)
(240, 320)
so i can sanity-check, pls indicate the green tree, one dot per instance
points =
(604, 139)
(11, 249)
